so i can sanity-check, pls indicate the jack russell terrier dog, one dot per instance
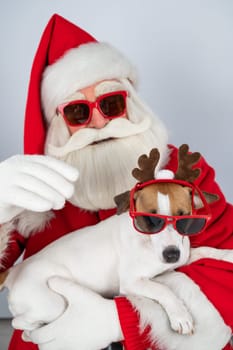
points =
(122, 254)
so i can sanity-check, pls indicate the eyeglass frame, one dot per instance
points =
(170, 219)
(92, 105)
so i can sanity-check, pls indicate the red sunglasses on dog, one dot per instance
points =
(186, 225)
(79, 112)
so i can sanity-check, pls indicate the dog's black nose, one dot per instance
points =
(171, 254)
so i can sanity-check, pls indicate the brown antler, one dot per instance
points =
(185, 163)
(147, 166)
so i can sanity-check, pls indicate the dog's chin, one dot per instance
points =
(173, 265)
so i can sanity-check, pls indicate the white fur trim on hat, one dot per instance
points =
(79, 68)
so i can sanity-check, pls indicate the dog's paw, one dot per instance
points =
(181, 321)
(182, 326)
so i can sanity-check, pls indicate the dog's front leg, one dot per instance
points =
(212, 253)
(180, 319)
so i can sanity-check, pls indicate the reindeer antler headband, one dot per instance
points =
(185, 172)
(145, 174)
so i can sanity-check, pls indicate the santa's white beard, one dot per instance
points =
(106, 157)
(105, 168)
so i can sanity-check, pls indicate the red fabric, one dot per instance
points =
(128, 324)
(129, 321)
(59, 36)
(13, 252)
(228, 347)
(16, 343)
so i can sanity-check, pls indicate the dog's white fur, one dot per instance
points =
(109, 258)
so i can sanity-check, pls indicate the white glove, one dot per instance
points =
(89, 322)
(36, 183)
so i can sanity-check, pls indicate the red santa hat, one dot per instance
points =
(67, 59)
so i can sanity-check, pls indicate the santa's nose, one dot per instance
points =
(97, 120)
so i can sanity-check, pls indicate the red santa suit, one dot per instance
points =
(214, 277)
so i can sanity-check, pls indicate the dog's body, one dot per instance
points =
(109, 258)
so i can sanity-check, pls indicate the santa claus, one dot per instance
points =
(85, 128)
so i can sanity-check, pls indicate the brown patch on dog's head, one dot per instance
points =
(146, 199)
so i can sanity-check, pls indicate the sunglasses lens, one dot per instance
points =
(148, 224)
(113, 105)
(190, 226)
(77, 113)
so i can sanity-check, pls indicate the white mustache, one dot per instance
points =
(116, 128)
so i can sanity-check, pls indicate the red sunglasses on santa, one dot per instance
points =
(79, 112)
(186, 225)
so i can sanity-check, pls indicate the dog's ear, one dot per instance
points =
(210, 198)
(122, 202)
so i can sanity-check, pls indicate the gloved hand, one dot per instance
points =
(36, 183)
(89, 321)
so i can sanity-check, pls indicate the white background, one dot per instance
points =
(183, 50)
